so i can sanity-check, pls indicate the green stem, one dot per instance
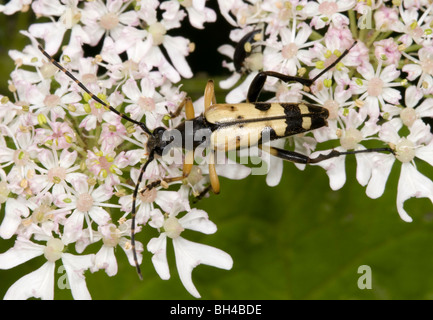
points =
(385, 35)
(80, 150)
(316, 36)
(412, 48)
(353, 24)
(363, 34)
(372, 38)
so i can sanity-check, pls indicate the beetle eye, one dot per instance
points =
(158, 131)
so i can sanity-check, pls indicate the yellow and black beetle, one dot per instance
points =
(229, 127)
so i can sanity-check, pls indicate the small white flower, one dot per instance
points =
(286, 54)
(40, 283)
(377, 88)
(113, 236)
(422, 68)
(188, 254)
(86, 202)
(350, 139)
(14, 5)
(327, 11)
(418, 144)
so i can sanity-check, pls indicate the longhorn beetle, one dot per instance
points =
(231, 127)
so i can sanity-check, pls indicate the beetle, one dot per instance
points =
(227, 127)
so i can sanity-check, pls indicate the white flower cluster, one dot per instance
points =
(68, 165)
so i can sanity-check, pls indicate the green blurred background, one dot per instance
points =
(299, 240)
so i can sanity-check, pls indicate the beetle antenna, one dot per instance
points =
(94, 97)
(332, 65)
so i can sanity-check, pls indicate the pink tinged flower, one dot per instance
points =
(387, 50)
(86, 203)
(145, 102)
(385, 17)
(377, 88)
(113, 131)
(167, 200)
(284, 56)
(40, 283)
(422, 68)
(341, 39)
(55, 171)
(106, 166)
(188, 254)
(321, 56)
(20, 157)
(325, 12)
(94, 117)
(41, 100)
(100, 18)
(334, 100)
(61, 136)
(413, 27)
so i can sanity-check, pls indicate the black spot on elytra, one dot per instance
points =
(262, 106)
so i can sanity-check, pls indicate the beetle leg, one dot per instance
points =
(188, 163)
(189, 109)
(296, 157)
(259, 80)
(214, 180)
(209, 95)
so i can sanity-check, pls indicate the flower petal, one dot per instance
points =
(73, 227)
(22, 251)
(335, 169)
(177, 49)
(158, 246)
(75, 267)
(412, 184)
(38, 284)
(105, 259)
(198, 220)
(190, 254)
(381, 167)
(99, 215)
(13, 212)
